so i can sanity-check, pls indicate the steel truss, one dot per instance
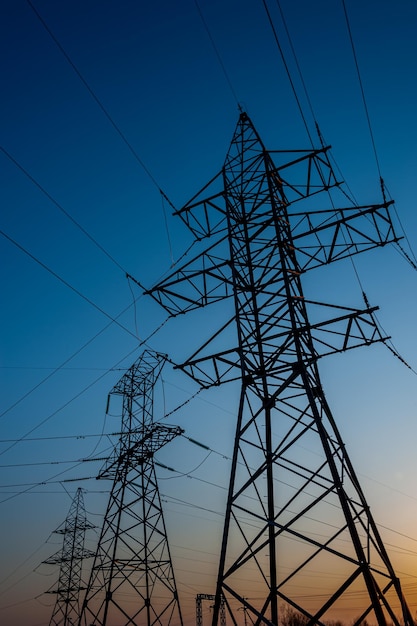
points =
(67, 607)
(132, 579)
(298, 530)
(199, 608)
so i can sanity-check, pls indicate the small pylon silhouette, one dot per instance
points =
(67, 609)
(298, 530)
(199, 608)
(132, 580)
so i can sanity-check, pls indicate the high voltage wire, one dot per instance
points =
(80, 393)
(411, 261)
(371, 133)
(107, 370)
(169, 498)
(59, 437)
(365, 105)
(65, 282)
(190, 439)
(96, 99)
(283, 59)
(69, 216)
(77, 224)
(78, 351)
(193, 505)
(59, 367)
(205, 509)
(107, 115)
(61, 208)
(389, 344)
(14, 442)
(37, 463)
(66, 369)
(57, 204)
(217, 53)
(287, 32)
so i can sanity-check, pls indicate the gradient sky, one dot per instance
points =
(173, 109)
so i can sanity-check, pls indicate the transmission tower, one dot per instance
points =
(132, 579)
(199, 608)
(296, 515)
(67, 608)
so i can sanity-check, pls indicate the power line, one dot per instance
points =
(37, 463)
(60, 367)
(362, 89)
(74, 354)
(59, 437)
(63, 406)
(169, 498)
(281, 52)
(390, 347)
(106, 113)
(64, 282)
(67, 369)
(303, 83)
(389, 344)
(412, 262)
(61, 208)
(189, 474)
(217, 53)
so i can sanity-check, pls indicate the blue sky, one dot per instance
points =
(153, 68)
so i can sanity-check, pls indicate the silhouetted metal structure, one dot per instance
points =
(67, 607)
(199, 608)
(132, 580)
(298, 529)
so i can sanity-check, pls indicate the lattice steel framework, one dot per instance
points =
(298, 530)
(67, 607)
(199, 608)
(132, 579)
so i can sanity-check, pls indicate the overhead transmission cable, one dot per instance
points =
(13, 572)
(63, 406)
(389, 344)
(284, 61)
(350, 195)
(413, 262)
(181, 474)
(355, 58)
(307, 96)
(113, 320)
(40, 368)
(287, 32)
(16, 441)
(391, 347)
(65, 282)
(217, 53)
(61, 366)
(66, 213)
(61, 208)
(193, 505)
(184, 436)
(108, 116)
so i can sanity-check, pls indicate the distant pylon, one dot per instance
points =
(132, 580)
(298, 530)
(67, 607)
(199, 608)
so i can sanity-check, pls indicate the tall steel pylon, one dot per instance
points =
(298, 530)
(67, 607)
(132, 580)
